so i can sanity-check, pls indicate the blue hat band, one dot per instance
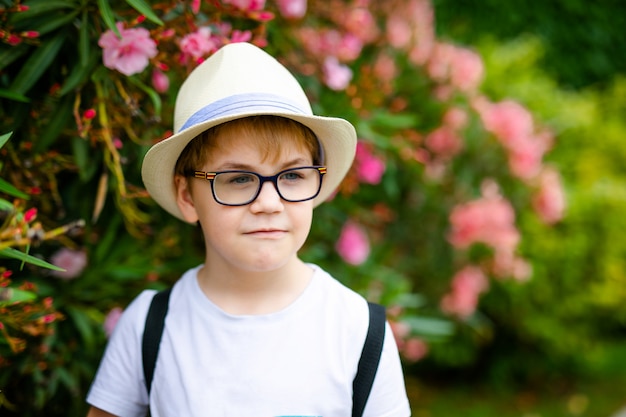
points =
(261, 103)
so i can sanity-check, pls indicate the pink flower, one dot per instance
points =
(353, 244)
(526, 156)
(463, 68)
(385, 68)
(73, 261)
(512, 124)
(198, 44)
(336, 76)
(292, 9)
(30, 214)
(549, 202)
(411, 28)
(489, 220)
(369, 168)
(247, 5)
(129, 54)
(89, 114)
(240, 36)
(414, 349)
(348, 48)
(160, 81)
(444, 141)
(466, 69)
(455, 117)
(344, 48)
(111, 320)
(360, 22)
(195, 6)
(401, 330)
(467, 285)
(399, 31)
(508, 120)
(508, 265)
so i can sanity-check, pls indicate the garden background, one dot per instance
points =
(484, 209)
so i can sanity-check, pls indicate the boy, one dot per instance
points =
(254, 330)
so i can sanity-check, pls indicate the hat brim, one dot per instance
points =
(337, 137)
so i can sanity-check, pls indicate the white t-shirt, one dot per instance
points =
(300, 361)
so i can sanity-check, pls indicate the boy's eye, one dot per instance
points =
(243, 179)
(291, 176)
(238, 179)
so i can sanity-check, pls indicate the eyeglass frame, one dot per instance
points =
(210, 176)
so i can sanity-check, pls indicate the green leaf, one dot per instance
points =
(430, 327)
(7, 188)
(36, 8)
(145, 9)
(56, 21)
(10, 54)
(24, 257)
(57, 124)
(83, 325)
(83, 40)
(86, 166)
(14, 96)
(5, 138)
(5, 205)
(37, 64)
(79, 74)
(154, 96)
(18, 296)
(107, 15)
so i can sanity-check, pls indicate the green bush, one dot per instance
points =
(430, 152)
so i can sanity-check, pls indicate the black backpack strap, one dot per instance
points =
(155, 321)
(370, 356)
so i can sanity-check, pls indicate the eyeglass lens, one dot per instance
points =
(240, 187)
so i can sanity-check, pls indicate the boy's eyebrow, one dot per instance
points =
(235, 165)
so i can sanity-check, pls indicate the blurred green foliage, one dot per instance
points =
(583, 40)
(73, 168)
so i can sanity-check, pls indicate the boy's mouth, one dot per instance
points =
(266, 232)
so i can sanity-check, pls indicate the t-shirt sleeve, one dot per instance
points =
(388, 396)
(118, 387)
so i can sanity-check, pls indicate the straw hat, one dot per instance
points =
(241, 80)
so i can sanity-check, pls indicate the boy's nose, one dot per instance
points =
(268, 199)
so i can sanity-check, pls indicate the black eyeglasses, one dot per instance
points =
(238, 188)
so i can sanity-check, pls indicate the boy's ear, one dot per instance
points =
(184, 199)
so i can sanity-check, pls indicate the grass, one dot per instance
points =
(601, 398)
(602, 395)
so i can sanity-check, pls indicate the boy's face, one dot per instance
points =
(261, 236)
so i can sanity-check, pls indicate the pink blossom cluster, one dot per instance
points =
(490, 220)
(462, 68)
(513, 125)
(369, 167)
(336, 48)
(445, 141)
(466, 287)
(132, 51)
(353, 244)
(197, 45)
(412, 348)
(410, 27)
